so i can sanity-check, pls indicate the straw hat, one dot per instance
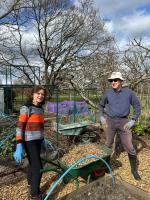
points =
(116, 75)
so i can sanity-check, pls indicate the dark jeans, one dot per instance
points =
(33, 149)
(116, 125)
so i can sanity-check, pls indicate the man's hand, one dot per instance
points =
(103, 121)
(129, 125)
(18, 153)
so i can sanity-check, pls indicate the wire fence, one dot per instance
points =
(142, 91)
(145, 109)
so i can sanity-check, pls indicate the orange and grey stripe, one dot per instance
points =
(30, 126)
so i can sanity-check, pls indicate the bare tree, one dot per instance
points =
(7, 7)
(136, 63)
(94, 70)
(61, 38)
(7, 10)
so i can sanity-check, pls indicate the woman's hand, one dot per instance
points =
(18, 153)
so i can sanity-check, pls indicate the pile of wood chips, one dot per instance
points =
(18, 191)
(124, 172)
(80, 151)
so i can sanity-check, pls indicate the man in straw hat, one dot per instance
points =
(117, 102)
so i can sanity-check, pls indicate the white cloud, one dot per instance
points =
(122, 44)
(125, 19)
(27, 39)
(146, 42)
(114, 8)
(135, 25)
(5, 6)
(129, 27)
(109, 26)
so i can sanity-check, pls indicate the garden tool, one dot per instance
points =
(49, 150)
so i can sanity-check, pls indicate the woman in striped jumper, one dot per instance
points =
(30, 136)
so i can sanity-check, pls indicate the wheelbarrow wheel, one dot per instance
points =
(98, 173)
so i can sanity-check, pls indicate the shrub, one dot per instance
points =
(139, 129)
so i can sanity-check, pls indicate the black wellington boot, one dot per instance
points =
(133, 163)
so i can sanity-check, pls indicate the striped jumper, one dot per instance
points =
(30, 125)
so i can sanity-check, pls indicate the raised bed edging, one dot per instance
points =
(10, 172)
(102, 189)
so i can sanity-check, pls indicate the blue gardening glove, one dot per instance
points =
(103, 121)
(18, 153)
(129, 125)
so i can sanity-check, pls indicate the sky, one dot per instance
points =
(126, 19)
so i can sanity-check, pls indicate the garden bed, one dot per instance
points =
(103, 189)
(17, 190)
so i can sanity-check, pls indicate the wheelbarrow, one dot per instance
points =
(85, 171)
(73, 129)
(77, 130)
